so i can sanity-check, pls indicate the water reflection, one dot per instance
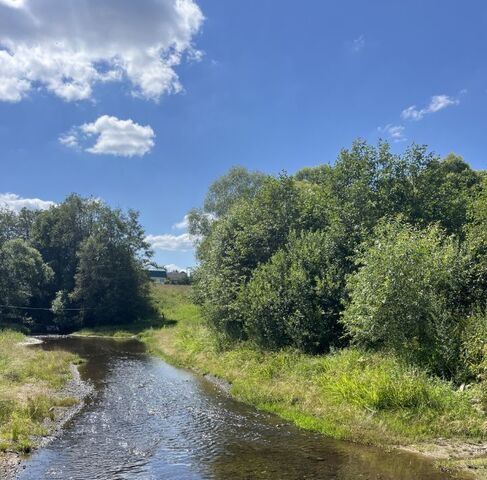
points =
(149, 420)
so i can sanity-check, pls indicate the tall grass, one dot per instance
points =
(29, 379)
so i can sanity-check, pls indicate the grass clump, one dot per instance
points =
(29, 380)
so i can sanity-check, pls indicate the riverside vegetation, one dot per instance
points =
(77, 264)
(30, 381)
(350, 394)
(350, 299)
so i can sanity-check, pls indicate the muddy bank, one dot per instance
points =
(11, 462)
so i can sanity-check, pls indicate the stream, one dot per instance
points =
(148, 420)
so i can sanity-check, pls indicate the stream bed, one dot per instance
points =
(148, 420)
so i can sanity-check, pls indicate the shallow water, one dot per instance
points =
(148, 420)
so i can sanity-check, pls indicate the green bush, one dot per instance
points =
(406, 296)
(294, 299)
(474, 346)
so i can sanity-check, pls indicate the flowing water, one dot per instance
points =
(148, 420)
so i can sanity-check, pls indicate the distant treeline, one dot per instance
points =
(80, 263)
(381, 250)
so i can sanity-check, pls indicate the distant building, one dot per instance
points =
(177, 277)
(158, 275)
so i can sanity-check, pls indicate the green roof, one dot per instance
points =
(157, 273)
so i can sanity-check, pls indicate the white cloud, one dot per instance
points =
(171, 267)
(395, 132)
(17, 203)
(112, 137)
(167, 241)
(67, 47)
(183, 224)
(437, 103)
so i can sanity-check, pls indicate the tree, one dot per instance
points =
(16, 224)
(111, 285)
(23, 276)
(238, 184)
(476, 244)
(246, 237)
(58, 233)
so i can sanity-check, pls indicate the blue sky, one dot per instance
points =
(86, 105)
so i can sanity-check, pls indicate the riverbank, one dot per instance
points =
(350, 395)
(39, 392)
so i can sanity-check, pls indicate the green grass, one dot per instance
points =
(171, 308)
(29, 380)
(350, 394)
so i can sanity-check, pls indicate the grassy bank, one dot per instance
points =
(350, 394)
(30, 382)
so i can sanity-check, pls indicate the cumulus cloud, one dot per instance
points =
(69, 46)
(169, 242)
(395, 132)
(112, 136)
(17, 203)
(437, 103)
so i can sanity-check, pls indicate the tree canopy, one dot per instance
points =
(77, 263)
(382, 249)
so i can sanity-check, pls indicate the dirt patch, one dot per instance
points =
(451, 455)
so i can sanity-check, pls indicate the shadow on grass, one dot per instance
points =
(127, 329)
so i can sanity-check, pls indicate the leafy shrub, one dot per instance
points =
(405, 296)
(294, 299)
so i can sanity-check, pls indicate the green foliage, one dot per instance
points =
(236, 185)
(476, 243)
(246, 237)
(16, 224)
(78, 263)
(265, 276)
(111, 285)
(293, 300)
(351, 394)
(23, 276)
(474, 346)
(379, 382)
(405, 295)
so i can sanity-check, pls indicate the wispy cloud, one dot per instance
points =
(358, 44)
(437, 103)
(112, 137)
(394, 132)
(168, 242)
(17, 203)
